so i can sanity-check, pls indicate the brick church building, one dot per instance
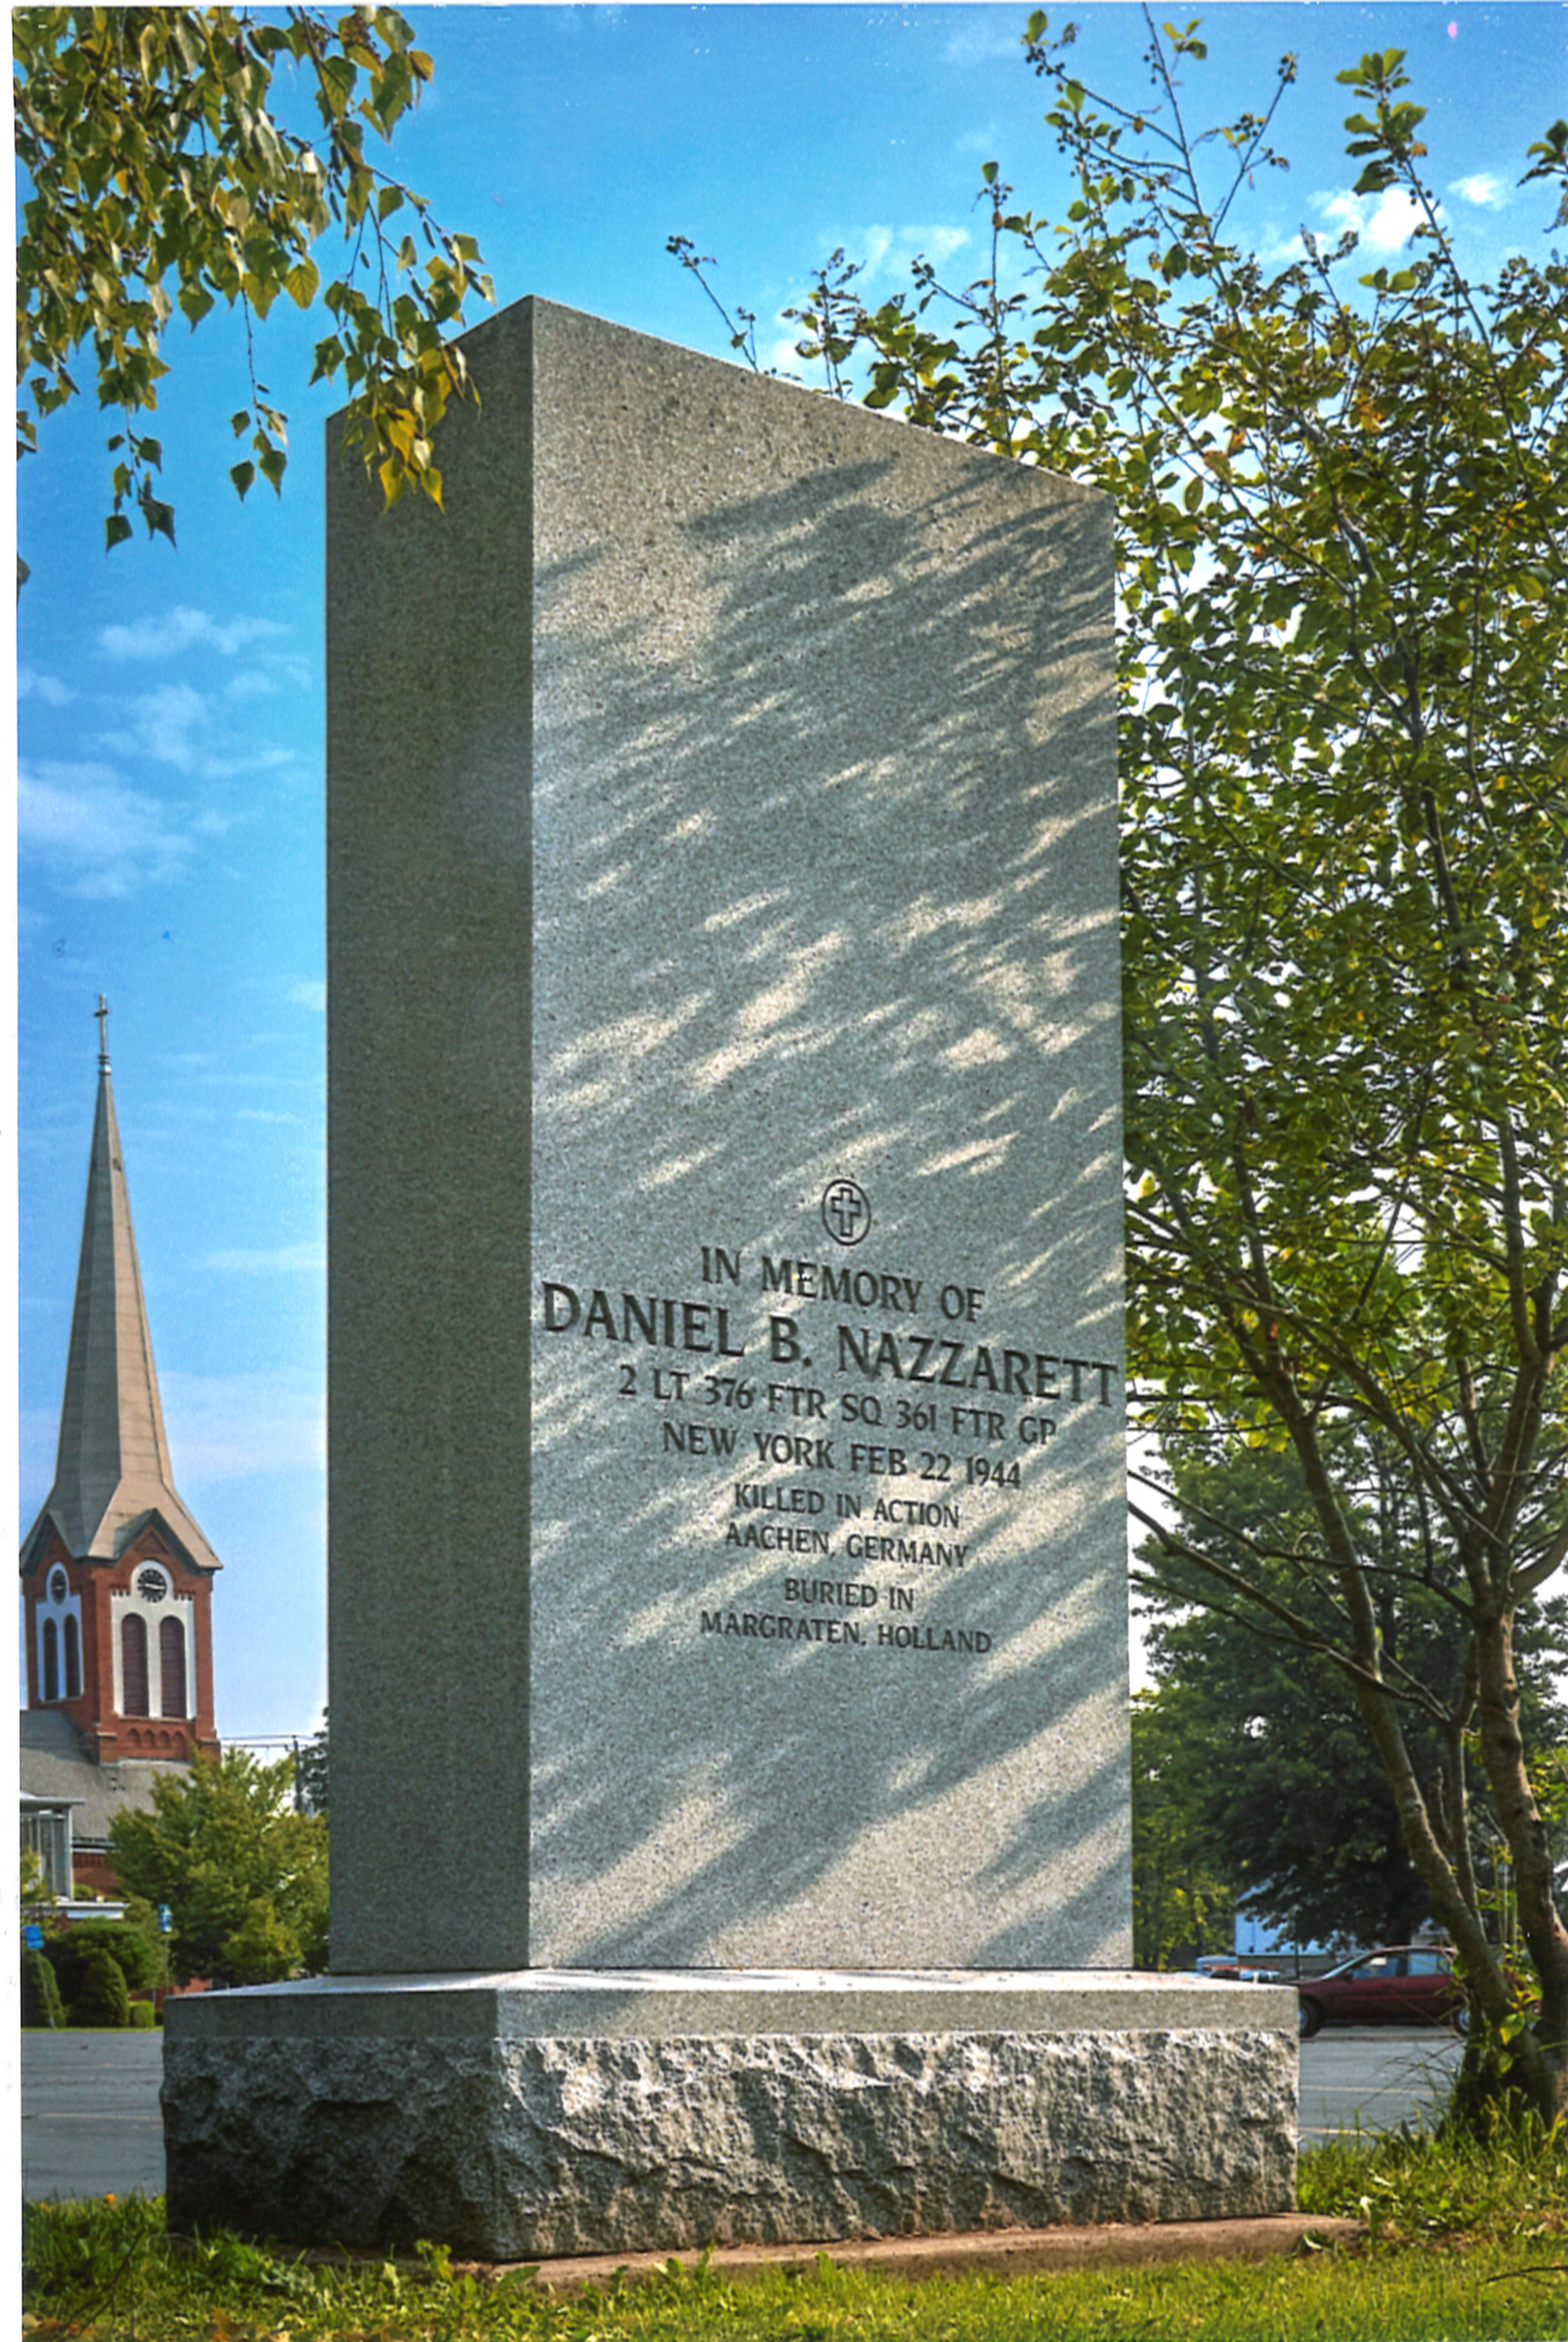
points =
(116, 1576)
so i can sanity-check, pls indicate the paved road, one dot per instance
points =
(89, 2118)
(1373, 2078)
(91, 2125)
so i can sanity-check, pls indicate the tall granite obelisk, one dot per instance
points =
(727, 1529)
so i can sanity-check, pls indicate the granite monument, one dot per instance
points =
(727, 1537)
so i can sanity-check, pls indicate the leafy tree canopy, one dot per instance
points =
(243, 1874)
(1343, 566)
(162, 178)
(36, 1902)
(1184, 1904)
(1283, 1797)
(313, 1770)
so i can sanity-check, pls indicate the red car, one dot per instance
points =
(1406, 1984)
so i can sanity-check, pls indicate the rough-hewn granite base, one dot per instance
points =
(354, 2127)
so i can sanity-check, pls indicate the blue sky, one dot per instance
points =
(170, 702)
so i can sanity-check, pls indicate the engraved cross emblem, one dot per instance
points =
(846, 1211)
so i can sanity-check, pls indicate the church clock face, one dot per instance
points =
(57, 1587)
(151, 1584)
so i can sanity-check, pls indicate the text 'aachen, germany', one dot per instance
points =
(878, 1415)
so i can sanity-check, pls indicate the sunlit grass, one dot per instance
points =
(1513, 2187)
(1464, 2243)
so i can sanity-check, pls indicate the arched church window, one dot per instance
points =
(51, 1660)
(73, 1659)
(134, 1665)
(172, 1667)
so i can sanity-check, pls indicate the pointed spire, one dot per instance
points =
(113, 1465)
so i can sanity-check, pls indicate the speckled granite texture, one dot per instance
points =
(727, 1537)
(512, 2150)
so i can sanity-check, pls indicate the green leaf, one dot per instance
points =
(201, 196)
(116, 529)
(243, 474)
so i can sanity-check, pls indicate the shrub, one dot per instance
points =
(133, 1954)
(41, 2005)
(143, 2017)
(102, 1998)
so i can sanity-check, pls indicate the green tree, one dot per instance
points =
(162, 178)
(1287, 1797)
(1344, 667)
(1183, 1904)
(36, 1901)
(243, 1874)
(312, 1771)
(263, 1949)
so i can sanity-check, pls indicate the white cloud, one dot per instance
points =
(178, 724)
(979, 38)
(1384, 224)
(230, 769)
(47, 687)
(228, 1426)
(309, 1256)
(1483, 187)
(1277, 251)
(872, 248)
(938, 244)
(878, 252)
(163, 721)
(898, 247)
(182, 630)
(107, 839)
(310, 992)
(889, 251)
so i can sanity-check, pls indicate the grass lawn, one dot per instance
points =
(1461, 2246)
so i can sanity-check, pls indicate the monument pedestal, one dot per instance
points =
(519, 2116)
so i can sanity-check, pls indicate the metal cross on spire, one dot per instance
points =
(101, 1013)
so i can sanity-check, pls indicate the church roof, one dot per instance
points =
(56, 1769)
(113, 1467)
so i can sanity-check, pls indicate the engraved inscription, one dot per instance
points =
(871, 1421)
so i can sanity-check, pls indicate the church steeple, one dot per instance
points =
(112, 1465)
(130, 1641)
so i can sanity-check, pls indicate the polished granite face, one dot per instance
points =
(728, 1537)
